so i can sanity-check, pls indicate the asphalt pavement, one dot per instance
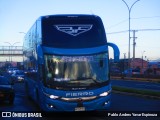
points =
(119, 103)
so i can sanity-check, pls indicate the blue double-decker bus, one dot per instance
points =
(66, 63)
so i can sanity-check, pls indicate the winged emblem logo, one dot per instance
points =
(74, 30)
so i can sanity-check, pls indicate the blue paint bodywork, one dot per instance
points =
(50, 99)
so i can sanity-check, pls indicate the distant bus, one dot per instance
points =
(66, 63)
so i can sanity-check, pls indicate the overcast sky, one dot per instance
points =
(19, 15)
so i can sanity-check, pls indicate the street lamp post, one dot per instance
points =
(123, 74)
(142, 58)
(129, 11)
(10, 49)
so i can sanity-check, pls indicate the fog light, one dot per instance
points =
(105, 103)
(50, 106)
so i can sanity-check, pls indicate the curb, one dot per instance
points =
(137, 79)
(135, 94)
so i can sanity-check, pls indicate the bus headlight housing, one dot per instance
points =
(51, 96)
(105, 93)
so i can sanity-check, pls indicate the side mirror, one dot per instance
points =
(116, 51)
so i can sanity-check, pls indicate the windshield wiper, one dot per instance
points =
(95, 81)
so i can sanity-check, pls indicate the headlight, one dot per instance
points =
(51, 96)
(20, 77)
(105, 93)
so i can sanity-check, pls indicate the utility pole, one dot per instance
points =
(142, 60)
(124, 61)
(123, 74)
(134, 43)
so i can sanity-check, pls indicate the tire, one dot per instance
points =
(27, 91)
(11, 100)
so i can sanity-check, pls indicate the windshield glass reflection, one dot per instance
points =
(76, 71)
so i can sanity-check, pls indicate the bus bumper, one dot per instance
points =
(100, 103)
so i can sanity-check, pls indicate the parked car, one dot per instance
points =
(30, 70)
(17, 76)
(115, 71)
(11, 70)
(6, 90)
(131, 71)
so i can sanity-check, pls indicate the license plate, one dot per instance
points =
(80, 109)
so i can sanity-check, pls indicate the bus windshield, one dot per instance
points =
(76, 72)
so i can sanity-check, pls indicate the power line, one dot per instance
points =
(146, 17)
(117, 23)
(118, 32)
(132, 30)
(148, 29)
(125, 20)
